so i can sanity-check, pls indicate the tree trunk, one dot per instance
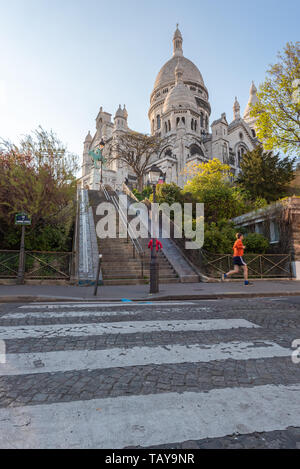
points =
(140, 182)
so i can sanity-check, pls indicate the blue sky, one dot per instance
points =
(60, 60)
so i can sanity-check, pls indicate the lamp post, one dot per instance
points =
(154, 175)
(101, 146)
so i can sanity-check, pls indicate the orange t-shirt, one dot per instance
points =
(238, 248)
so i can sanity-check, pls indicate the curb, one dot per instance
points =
(214, 296)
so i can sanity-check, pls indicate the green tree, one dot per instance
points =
(265, 175)
(278, 108)
(38, 177)
(212, 186)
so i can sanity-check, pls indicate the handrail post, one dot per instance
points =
(97, 276)
(290, 266)
(261, 269)
(21, 270)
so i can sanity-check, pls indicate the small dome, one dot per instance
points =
(178, 72)
(120, 112)
(88, 138)
(125, 113)
(179, 96)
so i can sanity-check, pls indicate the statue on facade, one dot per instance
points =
(96, 156)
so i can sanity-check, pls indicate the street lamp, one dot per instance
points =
(101, 146)
(154, 176)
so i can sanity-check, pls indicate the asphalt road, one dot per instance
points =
(206, 374)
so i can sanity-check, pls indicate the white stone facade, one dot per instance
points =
(179, 113)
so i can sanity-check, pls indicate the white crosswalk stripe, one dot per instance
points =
(80, 314)
(24, 363)
(152, 419)
(139, 419)
(77, 330)
(102, 305)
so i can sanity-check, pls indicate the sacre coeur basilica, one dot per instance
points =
(179, 113)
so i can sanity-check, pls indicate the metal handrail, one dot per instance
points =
(137, 248)
(133, 240)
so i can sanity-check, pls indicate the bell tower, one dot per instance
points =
(177, 43)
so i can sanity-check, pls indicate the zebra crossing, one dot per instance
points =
(161, 373)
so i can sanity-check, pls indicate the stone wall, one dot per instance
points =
(294, 208)
(287, 213)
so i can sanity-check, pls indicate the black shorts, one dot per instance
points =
(238, 260)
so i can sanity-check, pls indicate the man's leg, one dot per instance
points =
(245, 272)
(234, 271)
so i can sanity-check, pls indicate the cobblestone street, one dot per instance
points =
(185, 374)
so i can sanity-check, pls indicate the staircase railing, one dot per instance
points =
(138, 250)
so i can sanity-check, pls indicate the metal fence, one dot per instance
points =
(9, 262)
(214, 265)
(38, 265)
(259, 265)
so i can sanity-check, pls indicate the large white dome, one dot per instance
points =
(166, 74)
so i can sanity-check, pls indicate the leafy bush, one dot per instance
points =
(145, 194)
(147, 191)
(256, 243)
(42, 238)
(219, 237)
(137, 194)
(167, 193)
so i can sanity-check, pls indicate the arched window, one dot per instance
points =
(225, 154)
(177, 120)
(195, 125)
(240, 152)
(201, 119)
(206, 123)
(166, 127)
(192, 124)
(158, 121)
(152, 125)
(195, 150)
(168, 152)
(183, 120)
(253, 133)
(169, 123)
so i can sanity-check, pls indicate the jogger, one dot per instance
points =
(238, 261)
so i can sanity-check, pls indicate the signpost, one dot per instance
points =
(23, 220)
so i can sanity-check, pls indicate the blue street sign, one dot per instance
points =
(22, 219)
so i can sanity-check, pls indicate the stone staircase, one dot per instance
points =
(122, 263)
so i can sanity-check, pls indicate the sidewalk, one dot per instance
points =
(178, 291)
